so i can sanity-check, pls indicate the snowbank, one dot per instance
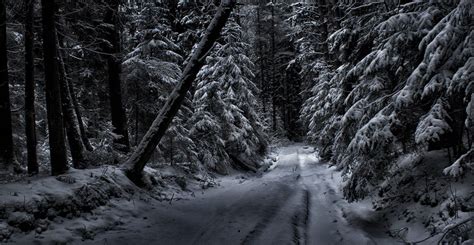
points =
(33, 203)
(36, 205)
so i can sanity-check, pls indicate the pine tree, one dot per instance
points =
(137, 161)
(401, 71)
(225, 100)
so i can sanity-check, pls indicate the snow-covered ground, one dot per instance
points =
(297, 201)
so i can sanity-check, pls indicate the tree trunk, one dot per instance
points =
(70, 122)
(272, 57)
(136, 163)
(63, 60)
(137, 113)
(30, 121)
(6, 137)
(261, 64)
(77, 110)
(53, 91)
(78, 141)
(119, 118)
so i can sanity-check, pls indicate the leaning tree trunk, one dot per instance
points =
(53, 90)
(70, 122)
(6, 137)
(112, 48)
(77, 110)
(30, 124)
(70, 85)
(136, 163)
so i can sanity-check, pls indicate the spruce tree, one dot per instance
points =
(225, 100)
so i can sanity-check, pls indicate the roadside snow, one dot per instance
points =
(298, 200)
(81, 203)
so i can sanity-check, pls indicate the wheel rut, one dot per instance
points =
(300, 220)
(266, 220)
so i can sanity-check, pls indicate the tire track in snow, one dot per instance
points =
(267, 219)
(295, 178)
(307, 210)
(300, 220)
(272, 198)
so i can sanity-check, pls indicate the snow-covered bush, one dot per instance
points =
(433, 125)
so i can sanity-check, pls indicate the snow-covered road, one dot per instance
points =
(298, 202)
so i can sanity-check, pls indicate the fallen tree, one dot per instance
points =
(139, 158)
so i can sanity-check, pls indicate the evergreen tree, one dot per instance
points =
(225, 100)
(403, 85)
(138, 160)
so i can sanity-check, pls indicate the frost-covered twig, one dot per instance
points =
(457, 168)
(449, 229)
(171, 200)
(399, 235)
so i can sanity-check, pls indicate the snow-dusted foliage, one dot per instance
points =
(225, 122)
(463, 164)
(400, 80)
(320, 76)
(433, 125)
(192, 18)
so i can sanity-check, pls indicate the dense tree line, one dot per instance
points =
(109, 68)
(278, 77)
(388, 79)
